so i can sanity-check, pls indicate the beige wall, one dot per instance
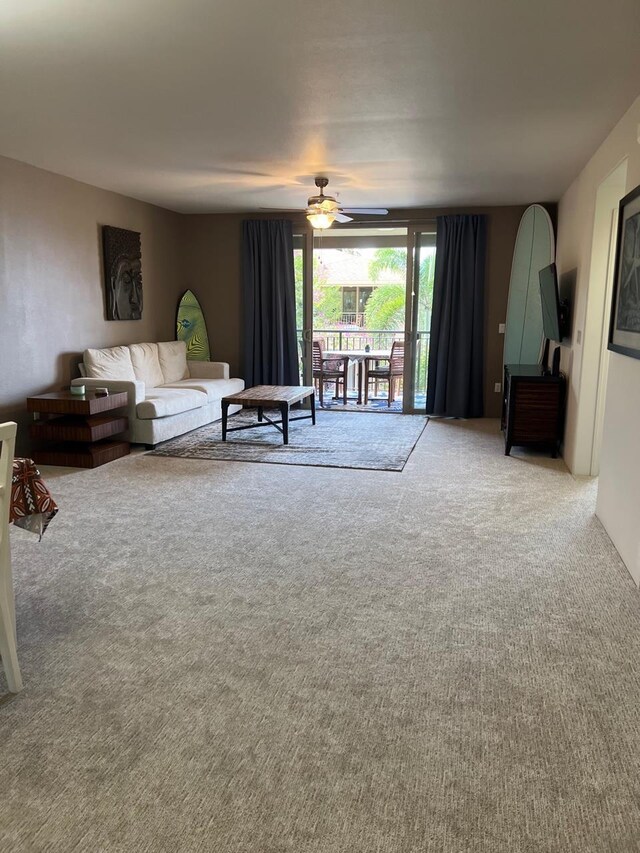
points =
(212, 268)
(51, 290)
(619, 487)
(212, 264)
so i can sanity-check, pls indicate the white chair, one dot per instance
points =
(8, 643)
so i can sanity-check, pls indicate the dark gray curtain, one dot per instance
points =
(270, 345)
(456, 350)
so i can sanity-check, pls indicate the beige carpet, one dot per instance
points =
(278, 659)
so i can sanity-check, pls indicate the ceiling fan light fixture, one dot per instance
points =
(321, 220)
(323, 210)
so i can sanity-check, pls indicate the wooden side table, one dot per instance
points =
(532, 408)
(79, 428)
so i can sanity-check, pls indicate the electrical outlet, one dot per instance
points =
(501, 328)
(579, 336)
(497, 387)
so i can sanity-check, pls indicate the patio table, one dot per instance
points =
(358, 356)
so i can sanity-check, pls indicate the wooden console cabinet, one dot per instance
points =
(78, 431)
(532, 408)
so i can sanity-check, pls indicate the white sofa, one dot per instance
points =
(168, 395)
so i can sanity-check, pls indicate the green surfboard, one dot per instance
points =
(192, 328)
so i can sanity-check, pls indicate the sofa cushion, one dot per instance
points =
(160, 402)
(109, 363)
(172, 356)
(215, 389)
(146, 365)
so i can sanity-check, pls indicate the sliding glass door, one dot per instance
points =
(421, 240)
(362, 288)
(359, 293)
(302, 258)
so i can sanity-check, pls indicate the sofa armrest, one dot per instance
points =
(135, 390)
(208, 369)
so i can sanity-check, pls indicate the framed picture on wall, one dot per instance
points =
(122, 273)
(624, 327)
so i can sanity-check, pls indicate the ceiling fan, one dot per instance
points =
(323, 210)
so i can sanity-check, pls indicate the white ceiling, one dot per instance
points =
(212, 105)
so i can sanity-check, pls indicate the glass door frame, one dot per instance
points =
(411, 331)
(306, 232)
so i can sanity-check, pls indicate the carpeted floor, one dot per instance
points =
(353, 440)
(248, 658)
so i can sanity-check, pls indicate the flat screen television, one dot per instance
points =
(550, 298)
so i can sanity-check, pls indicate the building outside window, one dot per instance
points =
(348, 273)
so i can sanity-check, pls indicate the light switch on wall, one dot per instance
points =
(501, 328)
(579, 336)
(497, 387)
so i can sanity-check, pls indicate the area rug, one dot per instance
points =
(348, 440)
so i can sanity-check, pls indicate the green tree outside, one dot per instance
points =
(327, 299)
(385, 308)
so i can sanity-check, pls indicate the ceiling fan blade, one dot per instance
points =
(340, 217)
(380, 211)
(283, 209)
(224, 170)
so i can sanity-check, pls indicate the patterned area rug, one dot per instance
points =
(350, 440)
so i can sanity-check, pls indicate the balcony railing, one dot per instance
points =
(352, 318)
(377, 339)
(349, 339)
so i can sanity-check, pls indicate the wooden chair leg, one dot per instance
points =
(344, 388)
(321, 389)
(390, 394)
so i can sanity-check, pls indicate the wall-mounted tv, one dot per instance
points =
(552, 312)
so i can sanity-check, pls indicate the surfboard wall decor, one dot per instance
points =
(534, 249)
(192, 328)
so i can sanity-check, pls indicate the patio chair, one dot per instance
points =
(329, 370)
(391, 372)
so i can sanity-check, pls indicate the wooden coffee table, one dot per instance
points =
(82, 427)
(270, 397)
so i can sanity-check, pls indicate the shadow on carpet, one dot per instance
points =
(358, 440)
